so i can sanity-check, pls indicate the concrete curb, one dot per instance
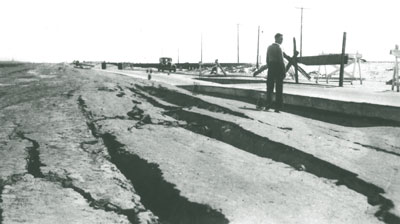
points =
(349, 108)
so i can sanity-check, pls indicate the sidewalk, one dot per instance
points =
(372, 99)
(372, 93)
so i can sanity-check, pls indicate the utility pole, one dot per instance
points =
(178, 55)
(201, 54)
(258, 46)
(201, 48)
(301, 31)
(238, 43)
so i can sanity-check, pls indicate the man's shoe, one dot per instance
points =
(266, 109)
(277, 111)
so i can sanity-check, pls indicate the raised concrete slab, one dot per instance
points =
(333, 105)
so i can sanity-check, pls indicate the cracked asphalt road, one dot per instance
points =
(82, 146)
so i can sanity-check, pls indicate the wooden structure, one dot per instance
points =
(351, 59)
(292, 61)
(215, 68)
(327, 59)
(261, 69)
(332, 59)
(395, 80)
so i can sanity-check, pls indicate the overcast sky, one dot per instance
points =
(144, 30)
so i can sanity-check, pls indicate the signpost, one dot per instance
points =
(356, 61)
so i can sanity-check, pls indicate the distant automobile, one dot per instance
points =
(166, 64)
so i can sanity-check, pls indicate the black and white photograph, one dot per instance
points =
(199, 112)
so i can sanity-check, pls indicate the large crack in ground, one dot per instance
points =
(241, 138)
(377, 149)
(331, 117)
(105, 205)
(33, 168)
(185, 100)
(238, 137)
(151, 100)
(158, 195)
(91, 123)
(33, 159)
(89, 117)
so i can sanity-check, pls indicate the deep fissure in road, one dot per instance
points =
(93, 203)
(34, 164)
(341, 119)
(158, 195)
(377, 149)
(151, 100)
(238, 137)
(89, 117)
(129, 213)
(33, 167)
(186, 100)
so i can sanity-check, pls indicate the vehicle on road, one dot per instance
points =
(166, 64)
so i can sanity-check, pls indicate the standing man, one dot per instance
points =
(276, 73)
